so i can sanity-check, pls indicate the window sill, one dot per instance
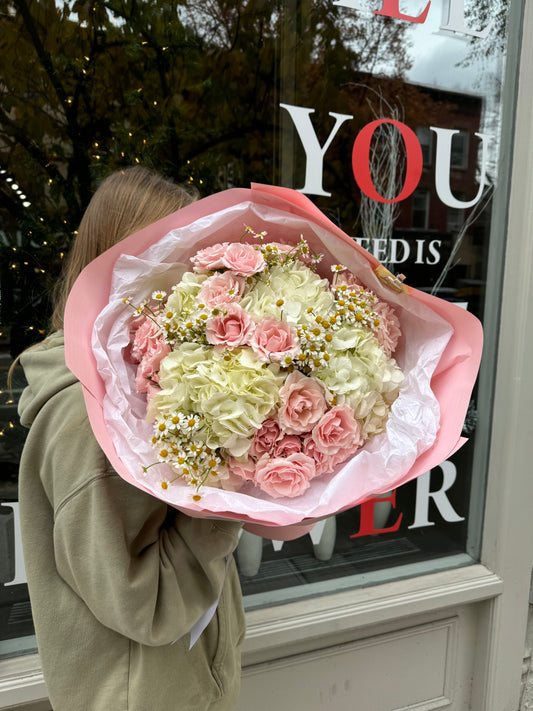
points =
(22, 682)
(323, 621)
(313, 622)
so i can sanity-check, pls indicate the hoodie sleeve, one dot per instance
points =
(142, 568)
(142, 571)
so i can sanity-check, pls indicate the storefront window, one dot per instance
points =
(440, 75)
(222, 93)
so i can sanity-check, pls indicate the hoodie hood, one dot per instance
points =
(46, 373)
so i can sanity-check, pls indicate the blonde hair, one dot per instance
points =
(125, 202)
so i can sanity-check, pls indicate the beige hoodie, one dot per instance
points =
(117, 579)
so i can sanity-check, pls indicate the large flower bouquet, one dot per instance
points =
(250, 386)
(273, 378)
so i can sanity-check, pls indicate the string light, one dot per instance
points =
(16, 189)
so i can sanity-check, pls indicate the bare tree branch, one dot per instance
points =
(472, 217)
(387, 167)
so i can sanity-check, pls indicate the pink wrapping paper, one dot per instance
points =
(440, 356)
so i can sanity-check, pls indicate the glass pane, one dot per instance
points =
(439, 80)
(222, 93)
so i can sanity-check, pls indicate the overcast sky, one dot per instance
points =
(437, 53)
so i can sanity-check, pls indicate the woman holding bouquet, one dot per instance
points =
(117, 578)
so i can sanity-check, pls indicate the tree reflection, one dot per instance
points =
(190, 88)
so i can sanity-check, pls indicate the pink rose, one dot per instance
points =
(233, 327)
(243, 259)
(322, 460)
(127, 352)
(284, 476)
(338, 431)
(302, 403)
(147, 335)
(148, 350)
(239, 472)
(388, 332)
(287, 445)
(275, 340)
(265, 439)
(209, 258)
(148, 368)
(220, 289)
(324, 463)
